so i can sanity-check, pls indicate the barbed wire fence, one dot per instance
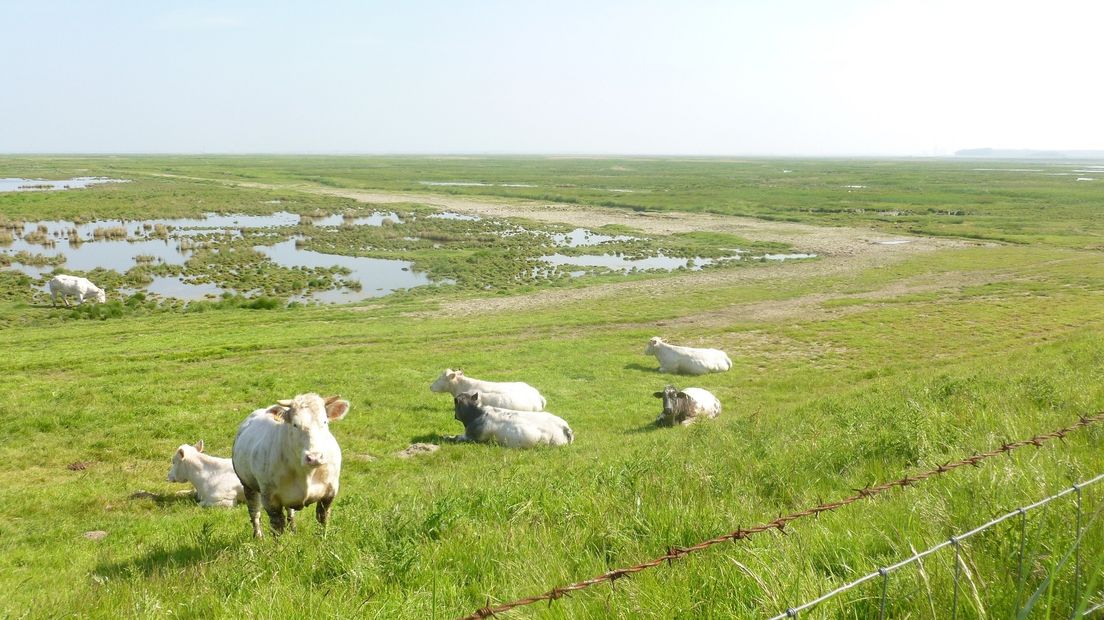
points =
(956, 543)
(779, 524)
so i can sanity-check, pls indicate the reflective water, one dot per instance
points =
(452, 215)
(377, 276)
(168, 241)
(613, 261)
(583, 237)
(214, 223)
(179, 289)
(12, 184)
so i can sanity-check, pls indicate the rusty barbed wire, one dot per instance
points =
(779, 524)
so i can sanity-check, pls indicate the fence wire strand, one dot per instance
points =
(779, 524)
(954, 540)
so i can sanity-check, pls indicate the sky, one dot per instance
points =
(770, 78)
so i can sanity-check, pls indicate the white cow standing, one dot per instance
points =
(286, 459)
(687, 360)
(82, 288)
(515, 395)
(214, 479)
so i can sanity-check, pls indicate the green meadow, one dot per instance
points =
(846, 373)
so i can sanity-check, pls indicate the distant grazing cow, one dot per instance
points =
(214, 479)
(686, 406)
(513, 429)
(286, 459)
(517, 396)
(72, 285)
(687, 360)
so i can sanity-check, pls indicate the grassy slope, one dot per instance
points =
(813, 408)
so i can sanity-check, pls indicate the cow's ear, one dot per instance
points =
(180, 453)
(681, 395)
(337, 409)
(277, 412)
(199, 446)
(658, 394)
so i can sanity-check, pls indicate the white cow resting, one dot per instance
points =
(517, 396)
(686, 406)
(82, 288)
(214, 479)
(513, 429)
(286, 459)
(687, 360)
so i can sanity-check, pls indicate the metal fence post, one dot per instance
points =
(957, 571)
(1077, 550)
(1019, 568)
(885, 586)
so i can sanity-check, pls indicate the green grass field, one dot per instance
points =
(857, 376)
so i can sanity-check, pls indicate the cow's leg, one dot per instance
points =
(291, 519)
(275, 515)
(322, 511)
(253, 501)
(65, 300)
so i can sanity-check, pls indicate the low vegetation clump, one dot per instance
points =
(38, 237)
(109, 232)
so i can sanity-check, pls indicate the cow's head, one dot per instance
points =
(466, 407)
(308, 417)
(101, 296)
(650, 348)
(183, 454)
(447, 379)
(670, 395)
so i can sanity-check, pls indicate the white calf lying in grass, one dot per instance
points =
(81, 288)
(517, 396)
(213, 477)
(686, 406)
(687, 360)
(513, 429)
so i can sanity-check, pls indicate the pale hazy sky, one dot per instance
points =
(781, 77)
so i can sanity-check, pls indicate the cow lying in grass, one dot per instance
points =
(687, 360)
(517, 396)
(214, 479)
(686, 406)
(510, 428)
(81, 288)
(286, 459)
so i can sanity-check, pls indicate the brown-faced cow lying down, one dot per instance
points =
(286, 459)
(686, 406)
